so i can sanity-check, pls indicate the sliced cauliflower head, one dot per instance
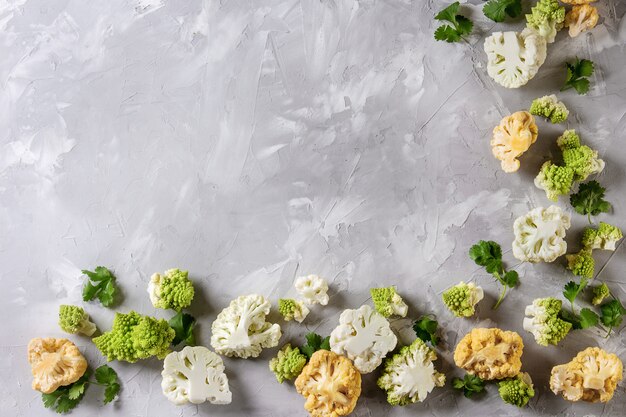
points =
(580, 19)
(540, 235)
(195, 375)
(514, 58)
(330, 383)
(364, 336)
(240, 330)
(512, 137)
(591, 376)
(54, 363)
(410, 375)
(490, 353)
(313, 289)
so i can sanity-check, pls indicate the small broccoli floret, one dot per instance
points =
(462, 299)
(604, 237)
(292, 309)
(581, 264)
(600, 292)
(73, 319)
(550, 108)
(388, 302)
(517, 391)
(546, 18)
(542, 320)
(173, 290)
(554, 180)
(135, 337)
(288, 363)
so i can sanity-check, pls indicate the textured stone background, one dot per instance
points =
(254, 141)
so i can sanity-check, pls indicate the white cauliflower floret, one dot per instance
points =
(514, 58)
(241, 330)
(313, 289)
(540, 235)
(195, 375)
(363, 336)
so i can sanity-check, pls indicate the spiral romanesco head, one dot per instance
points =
(517, 391)
(554, 180)
(73, 319)
(550, 108)
(462, 298)
(568, 140)
(174, 290)
(581, 264)
(288, 363)
(152, 337)
(388, 302)
(600, 292)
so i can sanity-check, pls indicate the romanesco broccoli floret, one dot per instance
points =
(568, 140)
(581, 263)
(292, 309)
(604, 237)
(388, 302)
(581, 159)
(542, 320)
(135, 337)
(546, 18)
(461, 299)
(73, 319)
(288, 363)
(173, 290)
(517, 391)
(550, 108)
(555, 180)
(600, 292)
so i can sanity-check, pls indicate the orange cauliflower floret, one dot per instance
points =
(54, 363)
(574, 2)
(490, 353)
(512, 137)
(580, 19)
(330, 384)
(591, 376)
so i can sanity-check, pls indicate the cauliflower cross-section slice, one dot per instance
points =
(364, 336)
(512, 137)
(540, 235)
(241, 330)
(54, 363)
(313, 289)
(195, 375)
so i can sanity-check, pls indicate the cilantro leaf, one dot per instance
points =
(101, 285)
(487, 254)
(449, 13)
(576, 75)
(315, 342)
(67, 397)
(105, 375)
(588, 318)
(426, 329)
(460, 25)
(589, 200)
(497, 10)
(470, 384)
(110, 392)
(76, 390)
(183, 325)
(572, 318)
(511, 279)
(611, 314)
(571, 290)
(447, 33)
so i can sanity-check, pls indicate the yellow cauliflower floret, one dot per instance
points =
(580, 19)
(591, 376)
(490, 353)
(512, 137)
(54, 363)
(574, 2)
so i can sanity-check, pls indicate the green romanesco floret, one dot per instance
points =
(546, 18)
(410, 375)
(600, 292)
(517, 391)
(581, 159)
(550, 108)
(73, 319)
(173, 290)
(581, 263)
(388, 302)
(555, 180)
(461, 299)
(135, 337)
(604, 237)
(288, 363)
(292, 309)
(542, 320)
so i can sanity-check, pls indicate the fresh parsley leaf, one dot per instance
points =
(67, 397)
(497, 10)
(101, 285)
(588, 318)
(470, 384)
(460, 25)
(49, 400)
(105, 375)
(110, 392)
(315, 342)
(76, 390)
(183, 325)
(577, 74)
(487, 254)
(511, 279)
(426, 329)
(571, 290)
(571, 317)
(589, 200)
(611, 314)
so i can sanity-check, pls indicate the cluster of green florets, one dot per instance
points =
(73, 319)
(546, 18)
(543, 321)
(135, 337)
(462, 298)
(550, 108)
(600, 292)
(388, 302)
(174, 290)
(292, 309)
(516, 391)
(604, 237)
(288, 363)
(581, 264)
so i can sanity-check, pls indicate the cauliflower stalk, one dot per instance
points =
(490, 353)
(172, 290)
(514, 58)
(581, 18)
(240, 330)
(73, 319)
(461, 299)
(388, 302)
(410, 375)
(542, 320)
(604, 237)
(551, 108)
(292, 309)
(195, 375)
(313, 289)
(135, 337)
(512, 137)
(540, 235)
(546, 18)
(288, 363)
(364, 336)
(592, 376)
(517, 391)
(600, 292)
(330, 384)
(54, 363)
